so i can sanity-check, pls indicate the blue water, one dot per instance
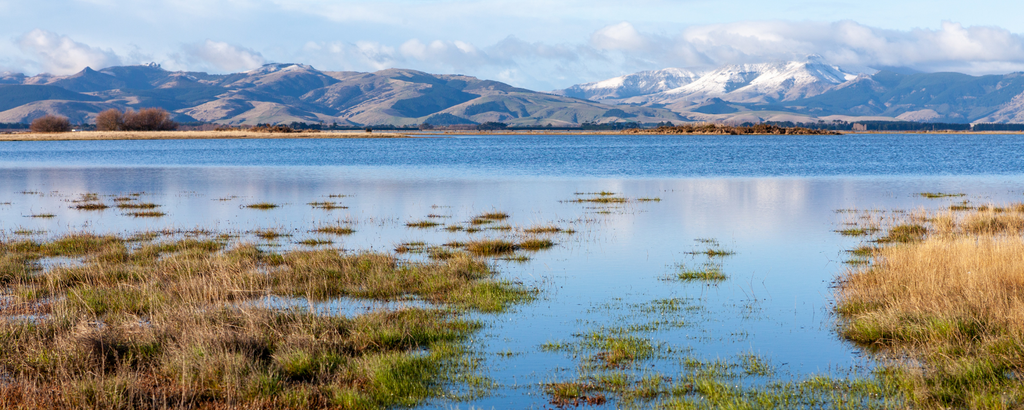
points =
(770, 199)
(565, 156)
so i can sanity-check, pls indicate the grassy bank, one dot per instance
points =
(175, 135)
(144, 322)
(947, 290)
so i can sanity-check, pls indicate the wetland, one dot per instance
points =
(506, 272)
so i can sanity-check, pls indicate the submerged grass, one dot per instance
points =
(178, 324)
(950, 296)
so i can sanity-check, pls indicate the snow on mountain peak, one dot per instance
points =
(630, 85)
(761, 82)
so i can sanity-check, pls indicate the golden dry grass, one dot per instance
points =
(171, 135)
(954, 299)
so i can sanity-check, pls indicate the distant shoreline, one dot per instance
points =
(201, 135)
(174, 135)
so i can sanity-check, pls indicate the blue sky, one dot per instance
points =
(530, 43)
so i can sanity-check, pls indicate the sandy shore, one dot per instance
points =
(184, 135)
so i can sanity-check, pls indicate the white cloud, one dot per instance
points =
(57, 54)
(622, 36)
(220, 56)
(450, 55)
(977, 49)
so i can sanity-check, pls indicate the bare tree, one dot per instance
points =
(50, 123)
(148, 119)
(110, 120)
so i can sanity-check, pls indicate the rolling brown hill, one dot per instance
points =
(283, 93)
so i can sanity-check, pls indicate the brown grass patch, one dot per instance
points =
(953, 296)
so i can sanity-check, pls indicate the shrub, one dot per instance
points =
(148, 119)
(110, 120)
(50, 123)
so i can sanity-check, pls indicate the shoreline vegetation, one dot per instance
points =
(721, 129)
(940, 298)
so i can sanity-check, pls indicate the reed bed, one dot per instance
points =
(951, 295)
(145, 324)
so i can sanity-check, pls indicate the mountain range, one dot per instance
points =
(800, 91)
(284, 93)
(813, 89)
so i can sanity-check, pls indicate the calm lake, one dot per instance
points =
(772, 200)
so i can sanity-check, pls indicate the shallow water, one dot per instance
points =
(771, 200)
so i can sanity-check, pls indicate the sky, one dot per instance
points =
(540, 45)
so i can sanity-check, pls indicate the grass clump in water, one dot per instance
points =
(857, 231)
(326, 205)
(136, 205)
(263, 206)
(146, 214)
(424, 224)
(935, 195)
(535, 244)
(335, 230)
(90, 206)
(315, 242)
(43, 216)
(601, 200)
(706, 272)
(270, 234)
(547, 229)
(490, 247)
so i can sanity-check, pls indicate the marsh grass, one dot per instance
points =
(904, 233)
(535, 244)
(263, 206)
(270, 234)
(601, 200)
(547, 229)
(710, 272)
(170, 324)
(315, 242)
(326, 205)
(335, 230)
(712, 252)
(950, 295)
(616, 365)
(490, 247)
(494, 216)
(136, 205)
(935, 195)
(43, 216)
(857, 231)
(146, 214)
(90, 206)
(424, 224)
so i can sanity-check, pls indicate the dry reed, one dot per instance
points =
(953, 297)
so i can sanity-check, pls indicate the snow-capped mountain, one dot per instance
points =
(632, 85)
(753, 83)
